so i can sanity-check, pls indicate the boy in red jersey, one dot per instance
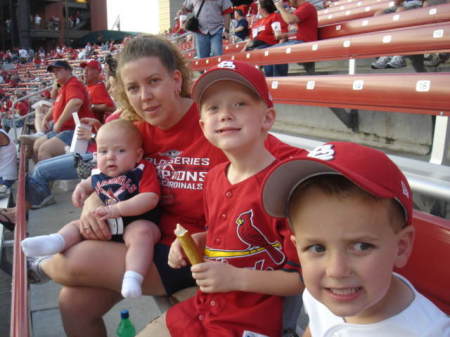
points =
(250, 265)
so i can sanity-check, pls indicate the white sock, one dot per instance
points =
(131, 284)
(43, 245)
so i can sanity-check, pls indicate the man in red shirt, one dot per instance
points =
(101, 102)
(305, 17)
(72, 97)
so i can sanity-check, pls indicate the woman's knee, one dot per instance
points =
(64, 270)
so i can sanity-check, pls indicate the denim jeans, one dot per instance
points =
(57, 168)
(279, 69)
(209, 45)
(8, 183)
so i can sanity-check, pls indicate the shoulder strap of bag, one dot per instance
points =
(198, 12)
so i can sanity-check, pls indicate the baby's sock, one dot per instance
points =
(43, 245)
(131, 284)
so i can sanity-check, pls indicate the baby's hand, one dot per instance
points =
(106, 212)
(176, 256)
(216, 277)
(79, 195)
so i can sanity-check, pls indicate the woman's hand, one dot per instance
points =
(92, 227)
(216, 277)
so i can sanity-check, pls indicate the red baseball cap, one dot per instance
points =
(236, 71)
(369, 169)
(91, 64)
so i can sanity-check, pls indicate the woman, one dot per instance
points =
(153, 86)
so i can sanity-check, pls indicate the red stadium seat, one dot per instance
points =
(412, 40)
(427, 267)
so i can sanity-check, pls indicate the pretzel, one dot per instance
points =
(189, 246)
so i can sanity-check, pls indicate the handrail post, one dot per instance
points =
(441, 141)
(351, 66)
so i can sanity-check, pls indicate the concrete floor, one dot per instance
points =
(44, 313)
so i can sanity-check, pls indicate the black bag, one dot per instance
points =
(84, 167)
(192, 24)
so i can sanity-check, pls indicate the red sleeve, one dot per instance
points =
(281, 150)
(101, 96)
(304, 12)
(74, 91)
(149, 181)
(228, 11)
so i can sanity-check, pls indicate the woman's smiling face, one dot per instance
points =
(152, 90)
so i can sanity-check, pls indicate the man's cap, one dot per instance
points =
(91, 64)
(369, 169)
(236, 71)
(59, 64)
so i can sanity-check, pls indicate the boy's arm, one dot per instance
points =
(136, 205)
(214, 277)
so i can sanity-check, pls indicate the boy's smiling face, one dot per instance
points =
(233, 118)
(348, 249)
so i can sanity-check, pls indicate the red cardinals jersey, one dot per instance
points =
(242, 234)
(307, 26)
(182, 157)
(73, 88)
(264, 29)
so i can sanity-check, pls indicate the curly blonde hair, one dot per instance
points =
(150, 46)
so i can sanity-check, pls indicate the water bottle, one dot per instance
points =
(125, 328)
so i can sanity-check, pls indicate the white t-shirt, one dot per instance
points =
(8, 160)
(420, 319)
(23, 53)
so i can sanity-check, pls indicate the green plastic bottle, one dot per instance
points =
(125, 328)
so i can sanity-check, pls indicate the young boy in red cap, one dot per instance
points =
(350, 208)
(250, 263)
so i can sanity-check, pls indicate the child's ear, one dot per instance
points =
(405, 242)
(202, 124)
(269, 119)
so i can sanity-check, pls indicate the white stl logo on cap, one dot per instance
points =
(323, 152)
(404, 189)
(227, 64)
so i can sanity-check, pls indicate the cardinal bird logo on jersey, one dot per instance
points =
(254, 238)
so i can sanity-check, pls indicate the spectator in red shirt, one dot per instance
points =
(72, 97)
(101, 103)
(267, 32)
(305, 17)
